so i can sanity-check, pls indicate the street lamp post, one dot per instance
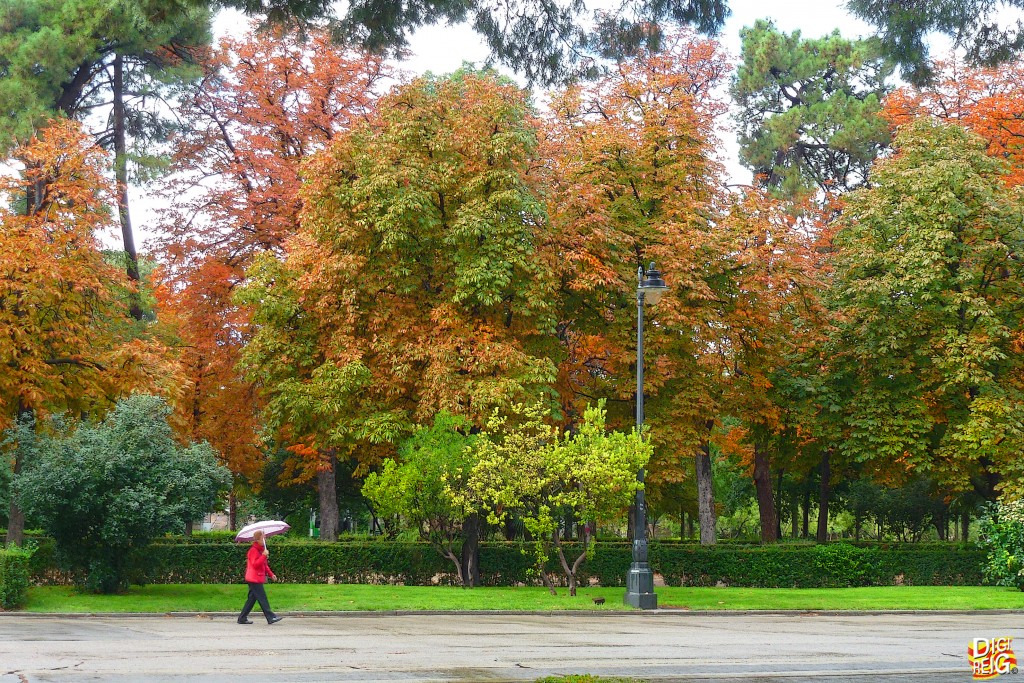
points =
(640, 580)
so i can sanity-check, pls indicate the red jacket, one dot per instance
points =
(256, 567)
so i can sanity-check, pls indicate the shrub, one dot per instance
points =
(14, 577)
(1002, 537)
(180, 560)
(103, 492)
(824, 566)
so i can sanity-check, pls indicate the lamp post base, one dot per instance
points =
(640, 587)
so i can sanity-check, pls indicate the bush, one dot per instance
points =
(820, 566)
(1002, 537)
(14, 577)
(103, 492)
(181, 560)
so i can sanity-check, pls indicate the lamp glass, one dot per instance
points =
(652, 295)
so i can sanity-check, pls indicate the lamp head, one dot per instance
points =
(652, 286)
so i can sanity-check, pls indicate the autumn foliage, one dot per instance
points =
(266, 104)
(67, 342)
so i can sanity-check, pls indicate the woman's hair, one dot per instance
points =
(257, 535)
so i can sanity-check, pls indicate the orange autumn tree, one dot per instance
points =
(419, 282)
(767, 313)
(986, 101)
(635, 178)
(66, 340)
(266, 103)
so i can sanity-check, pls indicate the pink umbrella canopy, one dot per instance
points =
(269, 528)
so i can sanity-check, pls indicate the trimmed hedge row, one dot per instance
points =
(14, 577)
(503, 564)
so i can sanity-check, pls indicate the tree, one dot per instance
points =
(552, 41)
(545, 476)
(418, 277)
(417, 487)
(766, 310)
(266, 103)
(974, 26)
(809, 110)
(549, 41)
(66, 342)
(1002, 535)
(986, 101)
(74, 58)
(928, 287)
(104, 491)
(635, 178)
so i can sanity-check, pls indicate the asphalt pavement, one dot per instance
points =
(661, 645)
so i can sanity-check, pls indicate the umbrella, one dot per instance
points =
(269, 528)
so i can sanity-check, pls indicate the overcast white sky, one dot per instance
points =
(443, 49)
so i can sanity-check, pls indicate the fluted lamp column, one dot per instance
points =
(640, 579)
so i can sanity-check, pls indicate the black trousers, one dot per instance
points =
(257, 593)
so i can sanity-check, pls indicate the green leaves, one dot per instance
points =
(103, 492)
(809, 119)
(929, 301)
(531, 470)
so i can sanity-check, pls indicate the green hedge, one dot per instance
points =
(821, 566)
(181, 560)
(14, 577)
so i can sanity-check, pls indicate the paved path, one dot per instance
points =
(653, 646)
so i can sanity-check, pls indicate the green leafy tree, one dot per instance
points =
(419, 281)
(546, 477)
(929, 312)
(415, 486)
(809, 109)
(104, 491)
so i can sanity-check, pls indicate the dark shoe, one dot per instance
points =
(244, 621)
(274, 619)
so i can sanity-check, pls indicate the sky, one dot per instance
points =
(443, 49)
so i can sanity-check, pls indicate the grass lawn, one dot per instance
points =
(312, 597)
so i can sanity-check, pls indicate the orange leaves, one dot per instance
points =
(987, 101)
(66, 342)
(266, 104)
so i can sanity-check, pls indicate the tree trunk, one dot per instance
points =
(794, 513)
(16, 518)
(705, 495)
(509, 528)
(765, 495)
(807, 509)
(547, 581)
(188, 528)
(824, 490)
(327, 493)
(472, 530)
(121, 179)
(15, 515)
(689, 526)
(965, 527)
(778, 503)
(941, 525)
(454, 559)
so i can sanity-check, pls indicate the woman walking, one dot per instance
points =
(257, 569)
